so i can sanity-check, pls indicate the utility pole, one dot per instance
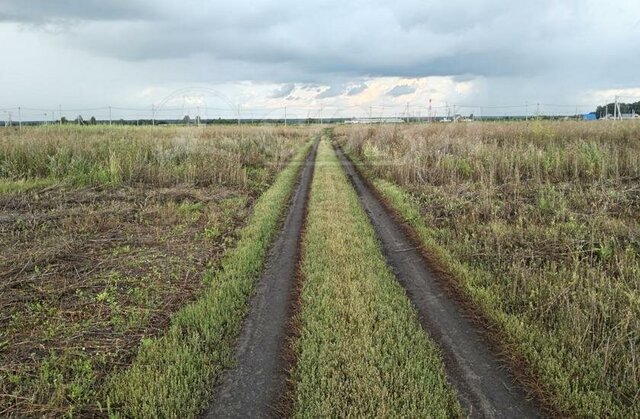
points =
(198, 117)
(153, 115)
(60, 112)
(285, 116)
(321, 121)
(238, 115)
(109, 115)
(19, 117)
(526, 111)
(538, 110)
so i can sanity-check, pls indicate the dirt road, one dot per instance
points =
(255, 385)
(484, 387)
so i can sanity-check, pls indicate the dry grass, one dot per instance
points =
(540, 222)
(97, 255)
(155, 156)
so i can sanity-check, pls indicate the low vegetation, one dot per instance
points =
(361, 351)
(540, 224)
(173, 375)
(106, 232)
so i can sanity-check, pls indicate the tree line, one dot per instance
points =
(625, 108)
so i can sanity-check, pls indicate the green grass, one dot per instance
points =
(17, 186)
(539, 224)
(361, 351)
(173, 375)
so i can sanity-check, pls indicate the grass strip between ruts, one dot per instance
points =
(361, 351)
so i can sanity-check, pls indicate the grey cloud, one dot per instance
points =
(420, 39)
(332, 91)
(568, 46)
(46, 11)
(356, 90)
(401, 90)
(283, 91)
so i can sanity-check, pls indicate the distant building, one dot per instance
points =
(591, 116)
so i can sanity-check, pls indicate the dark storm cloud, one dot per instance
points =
(401, 90)
(571, 45)
(409, 38)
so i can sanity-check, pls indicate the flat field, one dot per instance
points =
(539, 223)
(105, 232)
(445, 270)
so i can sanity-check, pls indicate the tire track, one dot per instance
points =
(484, 387)
(255, 386)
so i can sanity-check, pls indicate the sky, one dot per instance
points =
(327, 58)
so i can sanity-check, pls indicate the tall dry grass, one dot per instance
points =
(154, 156)
(543, 218)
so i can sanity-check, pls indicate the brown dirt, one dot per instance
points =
(86, 274)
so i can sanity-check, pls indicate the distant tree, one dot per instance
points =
(93, 121)
(186, 120)
(63, 120)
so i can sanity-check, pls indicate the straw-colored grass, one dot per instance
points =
(540, 224)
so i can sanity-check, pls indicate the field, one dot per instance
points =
(105, 233)
(539, 222)
(464, 268)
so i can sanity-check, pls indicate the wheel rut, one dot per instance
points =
(255, 386)
(484, 386)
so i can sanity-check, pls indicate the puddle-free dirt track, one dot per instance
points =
(256, 385)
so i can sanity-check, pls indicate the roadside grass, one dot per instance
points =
(361, 350)
(173, 375)
(539, 223)
(91, 270)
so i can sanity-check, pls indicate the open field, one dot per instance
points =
(538, 223)
(483, 269)
(105, 233)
